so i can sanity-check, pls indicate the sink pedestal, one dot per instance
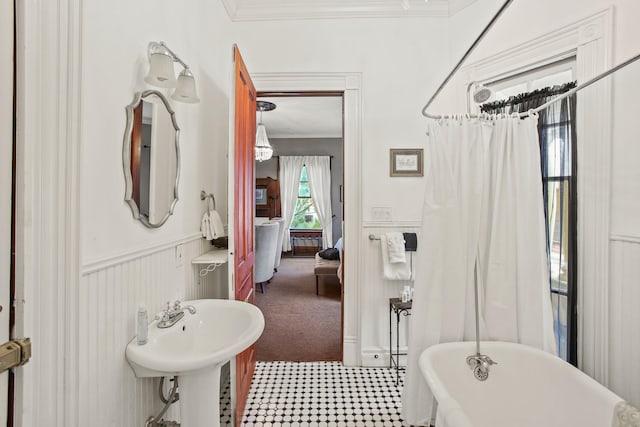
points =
(200, 398)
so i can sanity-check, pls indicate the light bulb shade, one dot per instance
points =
(263, 148)
(186, 88)
(161, 71)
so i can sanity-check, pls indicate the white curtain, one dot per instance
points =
(319, 174)
(483, 218)
(290, 170)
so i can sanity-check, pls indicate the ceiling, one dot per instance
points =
(303, 117)
(262, 10)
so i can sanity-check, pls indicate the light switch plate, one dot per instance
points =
(381, 213)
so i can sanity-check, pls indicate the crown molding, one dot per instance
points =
(265, 10)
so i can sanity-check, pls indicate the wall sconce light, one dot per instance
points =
(162, 74)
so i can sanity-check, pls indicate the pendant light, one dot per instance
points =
(263, 147)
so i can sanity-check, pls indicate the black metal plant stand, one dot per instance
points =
(400, 309)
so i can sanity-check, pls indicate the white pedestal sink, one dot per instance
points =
(194, 349)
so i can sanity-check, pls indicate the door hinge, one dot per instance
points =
(14, 353)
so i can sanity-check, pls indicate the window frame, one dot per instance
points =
(569, 183)
(303, 172)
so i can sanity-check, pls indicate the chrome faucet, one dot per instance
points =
(172, 315)
(480, 364)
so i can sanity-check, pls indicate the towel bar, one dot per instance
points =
(204, 195)
(412, 243)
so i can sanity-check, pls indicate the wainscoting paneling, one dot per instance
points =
(109, 393)
(624, 340)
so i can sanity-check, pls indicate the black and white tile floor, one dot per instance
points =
(320, 394)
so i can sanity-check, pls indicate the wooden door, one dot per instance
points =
(244, 255)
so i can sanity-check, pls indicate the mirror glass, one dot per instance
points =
(151, 158)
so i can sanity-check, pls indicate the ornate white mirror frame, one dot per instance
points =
(151, 188)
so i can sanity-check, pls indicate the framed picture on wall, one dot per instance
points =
(261, 196)
(406, 162)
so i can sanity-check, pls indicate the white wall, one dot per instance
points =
(624, 350)
(523, 19)
(114, 62)
(395, 71)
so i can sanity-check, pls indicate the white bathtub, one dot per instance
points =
(527, 388)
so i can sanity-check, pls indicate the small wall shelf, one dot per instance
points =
(211, 260)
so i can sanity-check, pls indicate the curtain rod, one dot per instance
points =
(585, 84)
(464, 57)
(569, 92)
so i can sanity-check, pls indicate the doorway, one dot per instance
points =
(303, 316)
(350, 85)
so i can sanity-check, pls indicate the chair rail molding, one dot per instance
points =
(626, 238)
(350, 84)
(100, 263)
(589, 40)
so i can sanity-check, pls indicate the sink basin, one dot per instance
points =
(219, 330)
(194, 349)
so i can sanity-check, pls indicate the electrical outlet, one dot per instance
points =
(179, 255)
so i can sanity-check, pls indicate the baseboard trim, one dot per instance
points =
(378, 357)
(350, 351)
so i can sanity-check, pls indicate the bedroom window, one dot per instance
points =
(305, 216)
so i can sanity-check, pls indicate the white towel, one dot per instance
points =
(216, 224)
(396, 271)
(205, 227)
(211, 225)
(396, 248)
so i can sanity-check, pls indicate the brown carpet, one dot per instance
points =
(299, 325)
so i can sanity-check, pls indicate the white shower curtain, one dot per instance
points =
(319, 174)
(290, 170)
(483, 218)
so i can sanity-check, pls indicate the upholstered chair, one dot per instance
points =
(280, 222)
(258, 220)
(266, 236)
